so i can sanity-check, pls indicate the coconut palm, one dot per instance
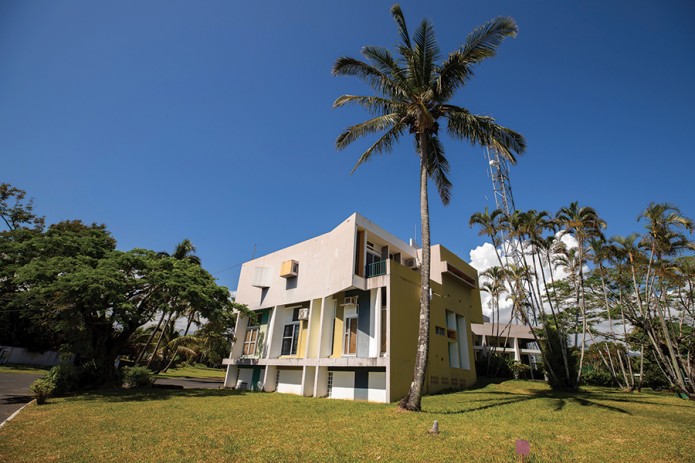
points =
(413, 91)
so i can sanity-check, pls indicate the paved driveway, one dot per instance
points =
(14, 392)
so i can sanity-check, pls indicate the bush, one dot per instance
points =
(519, 370)
(597, 377)
(64, 377)
(42, 388)
(137, 377)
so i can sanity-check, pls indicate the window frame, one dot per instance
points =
(248, 343)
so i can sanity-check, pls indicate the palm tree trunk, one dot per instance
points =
(149, 339)
(412, 400)
(159, 341)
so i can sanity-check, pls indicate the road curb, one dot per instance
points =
(16, 413)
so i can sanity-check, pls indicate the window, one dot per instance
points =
(330, 384)
(290, 335)
(350, 344)
(440, 331)
(250, 340)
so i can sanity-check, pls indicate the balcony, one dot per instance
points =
(376, 269)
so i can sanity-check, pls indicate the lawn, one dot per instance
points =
(23, 369)
(482, 425)
(196, 372)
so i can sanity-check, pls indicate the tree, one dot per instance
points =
(14, 212)
(413, 92)
(95, 297)
(584, 224)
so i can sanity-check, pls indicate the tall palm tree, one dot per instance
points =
(584, 224)
(413, 92)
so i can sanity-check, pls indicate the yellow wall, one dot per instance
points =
(451, 295)
(338, 328)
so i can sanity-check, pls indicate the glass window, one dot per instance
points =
(290, 336)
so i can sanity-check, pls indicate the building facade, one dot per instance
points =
(337, 316)
(514, 342)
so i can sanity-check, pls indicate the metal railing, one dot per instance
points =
(376, 269)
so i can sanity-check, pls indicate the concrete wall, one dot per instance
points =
(21, 356)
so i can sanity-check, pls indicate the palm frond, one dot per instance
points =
(376, 124)
(425, 54)
(382, 145)
(346, 66)
(386, 64)
(483, 41)
(438, 169)
(397, 14)
(373, 104)
(483, 131)
(480, 44)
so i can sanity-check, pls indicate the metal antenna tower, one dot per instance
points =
(504, 201)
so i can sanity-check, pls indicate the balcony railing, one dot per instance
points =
(376, 269)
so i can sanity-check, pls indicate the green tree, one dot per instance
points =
(95, 297)
(413, 91)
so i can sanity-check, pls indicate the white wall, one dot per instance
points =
(245, 375)
(21, 356)
(377, 387)
(290, 381)
(343, 385)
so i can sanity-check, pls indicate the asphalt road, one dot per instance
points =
(14, 392)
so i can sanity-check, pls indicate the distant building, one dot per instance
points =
(513, 341)
(338, 317)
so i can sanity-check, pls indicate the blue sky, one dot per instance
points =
(212, 120)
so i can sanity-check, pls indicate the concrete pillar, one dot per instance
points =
(321, 382)
(231, 376)
(308, 378)
(270, 378)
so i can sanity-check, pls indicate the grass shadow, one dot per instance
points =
(561, 398)
(149, 395)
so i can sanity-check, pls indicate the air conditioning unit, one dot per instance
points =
(303, 314)
(410, 263)
(289, 269)
(350, 300)
(351, 311)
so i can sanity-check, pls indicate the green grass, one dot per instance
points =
(197, 372)
(482, 425)
(23, 369)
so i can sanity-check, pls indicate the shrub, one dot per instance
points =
(597, 377)
(518, 369)
(64, 377)
(42, 388)
(137, 377)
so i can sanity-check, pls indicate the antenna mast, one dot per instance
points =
(504, 201)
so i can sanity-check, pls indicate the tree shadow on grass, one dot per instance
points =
(149, 395)
(560, 398)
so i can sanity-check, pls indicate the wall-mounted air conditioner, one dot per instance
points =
(289, 269)
(410, 263)
(351, 311)
(303, 314)
(350, 300)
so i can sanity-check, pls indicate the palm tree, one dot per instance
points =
(664, 238)
(185, 250)
(412, 95)
(584, 224)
